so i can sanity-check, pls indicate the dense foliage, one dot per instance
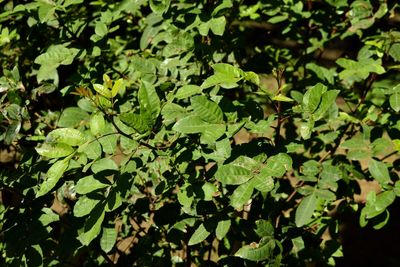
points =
(171, 133)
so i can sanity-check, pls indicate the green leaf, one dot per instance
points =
(328, 99)
(355, 71)
(88, 184)
(394, 51)
(199, 235)
(101, 29)
(52, 176)
(261, 126)
(264, 228)
(187, 91)
(84, 206)
(149, 101)
(325, 194)
(312, 97)
(322, 72)
(49, 61)
(97, 124)
(113, 200)
(236, 172)
(282, 98)
(72, 117)
(225, 75)
(68, 136)
(194, 124)
(92, 226)
(394, 101)
(211, 134)
(384, 200)
(46, 12)
(263, 183)
(307, 128)
(379, 171)
(396, 188)
(185, 195)
(92, 149)
(222, 228)
(241, 195)
(217, 25)
(172, 112)
(58, 150)
(277, 165)
(136, 121)
(225, 81)
(159, 6)
(109, 143)
(104, 164)
(228, 70)
(208, 190)
(204, 28)
(305, 210)
(119, 86)
(102, 90)
(108, 239)
(207, 110)
(48, 217)
(257, 252)
(12, 132)
(252, 77)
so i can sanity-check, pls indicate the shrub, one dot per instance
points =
(194, 132)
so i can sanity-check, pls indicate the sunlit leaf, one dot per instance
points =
(199, 235)
(68, 136)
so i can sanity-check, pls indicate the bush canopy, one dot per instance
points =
(195, 133)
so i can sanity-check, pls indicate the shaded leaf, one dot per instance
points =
(12, 132)
(52, 176)
(72, 117)
(92, 226)
(305, 210)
